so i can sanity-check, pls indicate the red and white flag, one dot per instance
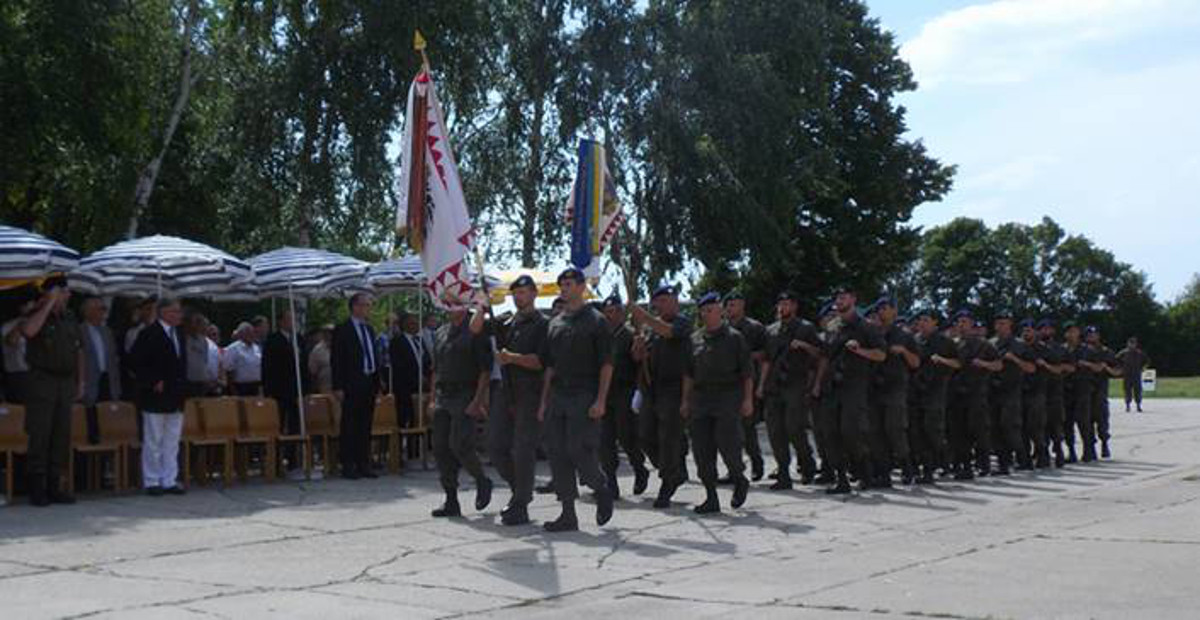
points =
(432, 211)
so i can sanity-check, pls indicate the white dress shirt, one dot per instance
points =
(243, 362)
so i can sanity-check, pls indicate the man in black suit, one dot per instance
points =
(159, 361)
(279, 380)
(409, 367)
(355, 384)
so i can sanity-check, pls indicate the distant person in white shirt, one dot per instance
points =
(16, 369)
(243, 362)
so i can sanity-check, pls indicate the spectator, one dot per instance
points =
(279, 369)
(160, 364)
(243, 362)
(201, 374)
(15, 365)
(319, 367)
(101, 370)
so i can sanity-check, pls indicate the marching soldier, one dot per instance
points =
(660, 427)
(1006, 395)
(1054, 354)
(1133, 361)
(889, 408)
(718, 391)
(853, 353)
(939, 360)
(514, 431)
(620, 426)
(756, 338)
(578, 359)
(970, 403)
(1033, 398)
(1080, 387)
(1108, 369)
(786, 384)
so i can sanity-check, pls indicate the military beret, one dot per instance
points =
(708, 298)
(1004, 314)
(573, 273)
(525, 280)
(886, 300)
(1045, 323)
(786, 296)
(1026, 323)
(732, 295)
(666, 289)
(964, 314)
(1070, 325)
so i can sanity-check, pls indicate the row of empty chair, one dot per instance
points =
(237, 433)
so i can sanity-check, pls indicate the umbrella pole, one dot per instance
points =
(299, 387)
(387, 329)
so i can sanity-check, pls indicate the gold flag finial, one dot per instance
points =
(418, 41)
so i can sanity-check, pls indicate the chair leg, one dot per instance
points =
(271, 466)
(394, 452)
(8, 477)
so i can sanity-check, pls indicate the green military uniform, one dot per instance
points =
(969, 408)
(1055, 354)
(1133, 361)
(852, 375)
(929, 422)
(889, 395)
(577, 346)
(619, 425)
(53, 357)
(1084, 391)
(755, 334)
(1100, 411)
(718, 364)
(1033, 408)
(787, 393)
(1006, 403)
(514, 431)
(660, 427)
(459, 358)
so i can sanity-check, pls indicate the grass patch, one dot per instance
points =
(1168, 387)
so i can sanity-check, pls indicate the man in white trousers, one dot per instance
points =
(160, 361)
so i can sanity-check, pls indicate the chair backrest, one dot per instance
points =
(222, 417)
(385, 413)
(12, 427)
(420, 414)
(118, 421)
(260, 417)
(79, 426)
(193, 420)
(318, 414)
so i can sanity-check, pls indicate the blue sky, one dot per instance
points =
(1083, 110)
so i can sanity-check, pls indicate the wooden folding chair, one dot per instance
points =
(119, 425)
(384, 427)
(318, 423)
(13, 442)
(93, 453)
(419, 427)
(212, 423)
(260, 427)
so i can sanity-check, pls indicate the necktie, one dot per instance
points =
(368, 350)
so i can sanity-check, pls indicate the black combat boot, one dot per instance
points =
(843, 484)
(450, 508)
(515, 514)
(711, 503)
(604, 505)
(566, 522)
(483, 492)
(756, 468)
(1104, 451)
(641, 479)
(37, 491)
(741, 487)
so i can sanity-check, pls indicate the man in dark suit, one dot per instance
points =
(409, 367)
(160, 364)
(355, 373)
(279, 380)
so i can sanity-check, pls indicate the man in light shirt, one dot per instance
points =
(201, 352)
(101, 371)
(243, 362)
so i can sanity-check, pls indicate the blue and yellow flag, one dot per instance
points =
(592, 211)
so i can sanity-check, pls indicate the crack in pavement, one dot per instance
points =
(794, 605)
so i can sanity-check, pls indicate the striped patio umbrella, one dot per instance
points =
(161, 265)
(307, 272)
(402, 274)
(27, 256)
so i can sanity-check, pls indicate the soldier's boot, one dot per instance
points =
(566, 521)
(1104, 451)
(1003, 461)
(843, 484)
(1024, 460)
(665, 491)
(883, 475)
(483, 492)
(515, 514)
(741, 487)
(927, 470)
(783, 482)
(1089, 452)
(55, 494)
(1043, 458)
(641, 479)
(965, 470)
(1059, 460)
(825, 476)
(450, 508)
(604, 505)
(711, 503)
(37, 491)
(908, 474)
(866, 475)
(983, 464)
(756, 468)
(613, 484)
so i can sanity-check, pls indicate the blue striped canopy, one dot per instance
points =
(405, 273)
(160, 265)
(307, 272)
(25, 255)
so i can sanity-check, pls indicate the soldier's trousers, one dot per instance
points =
(1133, 390)
(971, 426)
(849, 424)
(750, 432)
(660, 430)
(1083, 417)
(1100, 410)
(789, 418)
(1033, 412)
(929, 428)
(825, 424)
(1007, 423)
(48, 401)
(1055, 417)
(573, 439)
(454, 439)
(716, 428)
(619, 427)
(889, 428)
(513, 437)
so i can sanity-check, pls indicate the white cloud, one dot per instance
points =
(1010, 41)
